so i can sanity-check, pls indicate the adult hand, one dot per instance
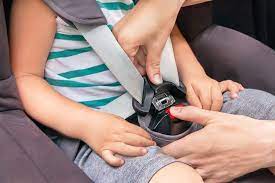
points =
(147, 28)
(228, 147)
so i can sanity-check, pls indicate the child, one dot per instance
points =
(62, 83)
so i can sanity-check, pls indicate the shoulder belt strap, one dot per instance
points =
(108, 49)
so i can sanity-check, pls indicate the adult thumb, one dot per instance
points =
(194, 114)
(153, 68)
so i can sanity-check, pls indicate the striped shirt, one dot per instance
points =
(74, 69)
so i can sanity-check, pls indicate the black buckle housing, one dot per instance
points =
(156, 100)
(159, 97)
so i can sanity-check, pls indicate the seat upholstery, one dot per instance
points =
(27, 154)
(215, 51)
(4, 59)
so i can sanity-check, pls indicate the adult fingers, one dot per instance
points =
(195, 115)
(140, 68)
(211, 181)
(141, 58)
(153, 67)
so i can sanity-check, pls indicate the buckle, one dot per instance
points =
(163, 101)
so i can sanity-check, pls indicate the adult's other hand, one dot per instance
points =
(228, 147)
(147, 28)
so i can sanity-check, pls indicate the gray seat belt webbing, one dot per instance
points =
(168, 66)
(106, 46)
(122, 106)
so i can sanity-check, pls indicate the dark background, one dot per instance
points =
(255, 18)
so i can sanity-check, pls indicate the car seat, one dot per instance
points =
(27, 154)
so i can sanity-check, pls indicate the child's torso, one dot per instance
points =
(74, 69)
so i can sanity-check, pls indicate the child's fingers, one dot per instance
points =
(136, 140)
(223, 86)
(240, 86)
(138, 131)
(127, 150)
(192, 98)
(231, 87)
(111, 159)
(217, 99)
(206, 99)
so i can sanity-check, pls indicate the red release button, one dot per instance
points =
(169, 112)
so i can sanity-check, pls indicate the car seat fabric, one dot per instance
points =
(5, 68)
(228, 54)
(81, 11)
(26, 155)
(252, 17)
(89, 18)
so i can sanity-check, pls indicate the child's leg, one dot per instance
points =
(153, 167)
(252, 103)
(177, 172)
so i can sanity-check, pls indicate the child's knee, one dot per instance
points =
(177, 172)
(252, 103)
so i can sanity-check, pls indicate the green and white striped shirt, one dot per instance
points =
(74, 69)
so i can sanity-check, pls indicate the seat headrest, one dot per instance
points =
(80, 11)
(5, 71)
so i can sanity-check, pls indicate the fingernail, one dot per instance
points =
(158, 79)
(175, 110)
(234, 95)
(144, 151)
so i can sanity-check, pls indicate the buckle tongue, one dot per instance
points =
(163, 101)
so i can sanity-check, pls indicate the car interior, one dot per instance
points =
(25, 146)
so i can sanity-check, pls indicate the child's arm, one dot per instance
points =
(194, 2)
(33, 28)
(202, 91)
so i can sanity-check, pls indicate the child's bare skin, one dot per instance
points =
(145, 47)
(106, 134)
(202, 91)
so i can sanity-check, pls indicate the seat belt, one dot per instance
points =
(102, 40)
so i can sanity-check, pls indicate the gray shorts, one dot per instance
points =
(252, 103)
(135, 170)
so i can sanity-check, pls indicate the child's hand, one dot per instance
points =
(233, 87)
(112, 135)
(206, 93)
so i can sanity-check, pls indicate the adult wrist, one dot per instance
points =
(272, 131)
(268, 133)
